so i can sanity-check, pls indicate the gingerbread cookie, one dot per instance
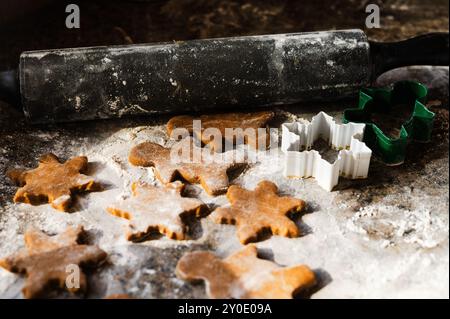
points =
(210, 170)
(254, 212)
(158, 209)
(244, 275)
(46, 259)
(244, 125)
(53, 182)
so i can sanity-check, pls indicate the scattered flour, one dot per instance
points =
(393, 225)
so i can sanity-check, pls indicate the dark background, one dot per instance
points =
(40, 24)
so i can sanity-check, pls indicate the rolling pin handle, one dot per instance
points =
(426, 49)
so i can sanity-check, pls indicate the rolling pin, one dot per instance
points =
(77, 84)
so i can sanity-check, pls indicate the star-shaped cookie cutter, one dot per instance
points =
(381, 100)
(300, 161)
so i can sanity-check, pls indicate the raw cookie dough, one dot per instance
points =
(254, 212)
(45, 259)
(244, 121)
(53, 182)
(244, 275)
(154, 209)
(210, 171)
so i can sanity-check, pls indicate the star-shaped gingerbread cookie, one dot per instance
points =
(260, 210)
(46, 259)
(249, 128)
(244, 275)
(53, 182)
(154, 209)
(196, 165)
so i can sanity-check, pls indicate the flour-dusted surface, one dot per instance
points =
(386, 236)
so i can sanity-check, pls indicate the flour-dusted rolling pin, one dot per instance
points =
(212, 74)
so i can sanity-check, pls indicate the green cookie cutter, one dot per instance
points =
(381, 100)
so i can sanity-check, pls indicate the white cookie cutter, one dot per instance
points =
(353, 158)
